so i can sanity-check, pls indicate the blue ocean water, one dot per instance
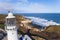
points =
(49, 16)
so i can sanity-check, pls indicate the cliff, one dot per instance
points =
(25, 27)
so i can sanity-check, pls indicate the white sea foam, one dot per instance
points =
(42, 22)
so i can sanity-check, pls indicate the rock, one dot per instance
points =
(2, 33)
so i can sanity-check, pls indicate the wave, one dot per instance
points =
(42, 22)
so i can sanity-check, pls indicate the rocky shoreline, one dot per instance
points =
(25, 26)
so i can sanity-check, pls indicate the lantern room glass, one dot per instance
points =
(10, 22)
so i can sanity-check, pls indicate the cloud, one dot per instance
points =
(5, 7)
(24, 6)
(22, 0)
(36, 8)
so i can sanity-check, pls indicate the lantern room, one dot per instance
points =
(10, 20)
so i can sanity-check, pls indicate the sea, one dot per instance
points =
(49, 16)
(44, 19)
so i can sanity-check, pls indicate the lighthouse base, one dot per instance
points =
(12, 35)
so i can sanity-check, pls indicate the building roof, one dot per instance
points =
(10, 15)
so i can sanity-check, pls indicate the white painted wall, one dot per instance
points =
(12, 35)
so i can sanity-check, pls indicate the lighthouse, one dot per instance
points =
(11, 27)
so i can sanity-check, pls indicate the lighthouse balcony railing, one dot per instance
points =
(10, 28)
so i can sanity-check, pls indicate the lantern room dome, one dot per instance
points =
(10, 15)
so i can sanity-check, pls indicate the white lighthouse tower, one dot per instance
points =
(11, 27)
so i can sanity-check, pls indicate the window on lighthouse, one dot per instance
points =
(11, 22)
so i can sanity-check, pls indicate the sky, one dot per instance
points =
(30, 6)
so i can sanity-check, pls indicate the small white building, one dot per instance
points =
(25, 37)
(11, 27)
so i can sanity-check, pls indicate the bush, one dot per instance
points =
(2, 26)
